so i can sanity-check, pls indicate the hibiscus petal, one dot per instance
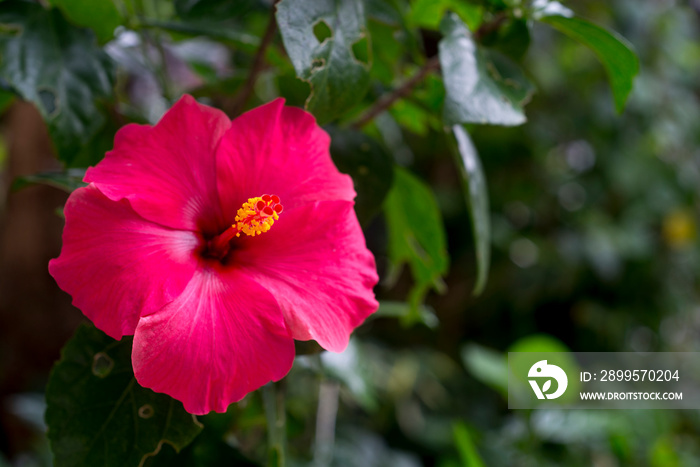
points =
(279, 150)
(315, 263)
(114, 263)
(222, 338)
(167, 171)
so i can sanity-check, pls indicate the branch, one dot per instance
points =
(491, 26)
(387, 100)
(246, 91)
(275, 413)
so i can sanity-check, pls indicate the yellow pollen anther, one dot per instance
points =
(257, 215)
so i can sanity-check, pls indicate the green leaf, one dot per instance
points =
(465, 445)
(510, 78)
(101, 143)
(488, 366)
(221, 20)
(59, 68)
(7, 98)
(428, 13)
(369, 165)
(541, 8)
(387, 52)
(331, 65)
(477, 198)
(412, 117)
(403, 311)
(213, 453)
(416, 235)
(613, 50)
(222, 33)
(102, 17)
(389, 12)
(4, 153)
(664, 452)
(511, 39)
(539, 343)
(477, 92)
(352, 370)
(68, 181)
(98, 414)
(211, 448)
(215, 10)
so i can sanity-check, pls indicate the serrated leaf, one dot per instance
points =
(102, 17)
(477, 198)
(369, 165)
(323, 39)
(476, 92)
(59, 68)
(416, 235)
(97, 413)
(613, 51)
(68, 181)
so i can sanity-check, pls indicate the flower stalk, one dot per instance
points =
(325, 422)
(274, 403)
(258, 64)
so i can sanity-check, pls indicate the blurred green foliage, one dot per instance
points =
(587, 218)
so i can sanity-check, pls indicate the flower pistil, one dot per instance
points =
(256, 216)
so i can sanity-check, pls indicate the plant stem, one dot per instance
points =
(387, 100)
(163, 69)
(160, 69)
(325, 422)
(273, 400)
(491, 26)
(404, 90)
(258, 64)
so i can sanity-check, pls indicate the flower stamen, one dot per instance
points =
(256, 216)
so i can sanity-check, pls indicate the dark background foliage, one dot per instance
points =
(590, 214)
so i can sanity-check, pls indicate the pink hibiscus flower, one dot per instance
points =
(181, 240)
